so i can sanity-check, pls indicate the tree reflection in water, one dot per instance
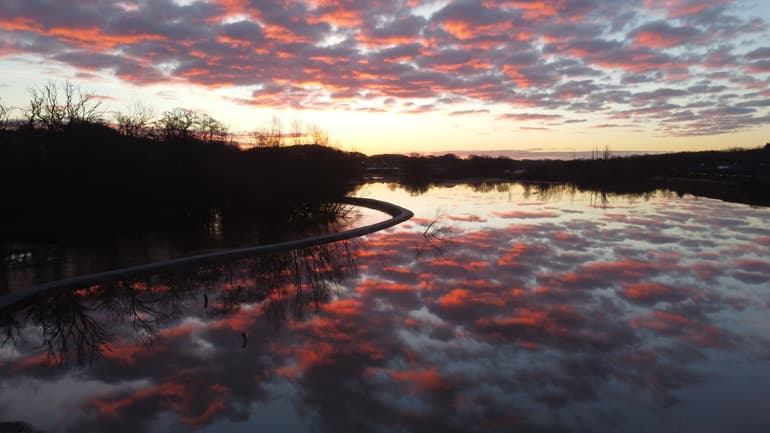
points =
(79, 325)
(545, 315)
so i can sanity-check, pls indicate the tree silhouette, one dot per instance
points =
(5, 115)
(210, 129)
(136, 120)
(177, 124)
(297, 132)
(55, 106)
(317, 135)
(270, 135)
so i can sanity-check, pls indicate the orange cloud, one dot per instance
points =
(88, 37)
(427, 379)
(174, 395)
(651, 292)
(465, 30)
(675, 324)
(462, 298)
(342, 18)
(680, 8)
(527, 214)
(383, 286)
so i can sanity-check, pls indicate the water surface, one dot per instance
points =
(28, 263)
(497, 308)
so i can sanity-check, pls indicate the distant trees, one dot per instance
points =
(182, 123)
(55, 106)
(136, 121)
(297, 132)
(317, 135)
(603, 154)
(5, 115)
(210, 129)
(177, 123)
(272, 134)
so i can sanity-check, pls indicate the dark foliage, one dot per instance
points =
(741, 175)
(87, 178)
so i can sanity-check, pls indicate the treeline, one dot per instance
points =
(65, 170)
(737, 174)
(55, 106)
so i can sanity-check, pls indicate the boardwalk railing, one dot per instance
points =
(397, 214)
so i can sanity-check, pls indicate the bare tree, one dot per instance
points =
(259, 136)
(604, 154)
(271, 135)
(607, 153)
(318, 135)
(210, 129)
(33, 113)
(275, 126)
(178, 123)
(135, 120)
(80, 106)
(5, 115)
(53, 112)
(55, 106)
(297, 132)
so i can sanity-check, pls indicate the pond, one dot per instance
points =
(498, 307)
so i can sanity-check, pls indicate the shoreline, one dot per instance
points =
(397, 214)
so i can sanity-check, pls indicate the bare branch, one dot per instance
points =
(136, 120)
(5, 114)
(178, 123)
(210, 129)
(270, 135)
(54, 110)
(297, 132)
(318, 136)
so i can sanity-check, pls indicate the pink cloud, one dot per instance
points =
(540, 55)
(466, 218)
(516, 214)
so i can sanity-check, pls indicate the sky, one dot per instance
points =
(406, 76)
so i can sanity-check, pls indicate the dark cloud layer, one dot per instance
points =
(680, 64)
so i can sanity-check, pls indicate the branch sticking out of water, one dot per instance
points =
(435, 237)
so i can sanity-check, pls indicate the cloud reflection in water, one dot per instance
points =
(646, 313)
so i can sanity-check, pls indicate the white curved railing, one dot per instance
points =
(397, 214)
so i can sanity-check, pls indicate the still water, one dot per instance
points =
(25, 264)
(497, 308)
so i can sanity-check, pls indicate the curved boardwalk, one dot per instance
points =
(397, 214)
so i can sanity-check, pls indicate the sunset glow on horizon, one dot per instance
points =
(417, 76)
